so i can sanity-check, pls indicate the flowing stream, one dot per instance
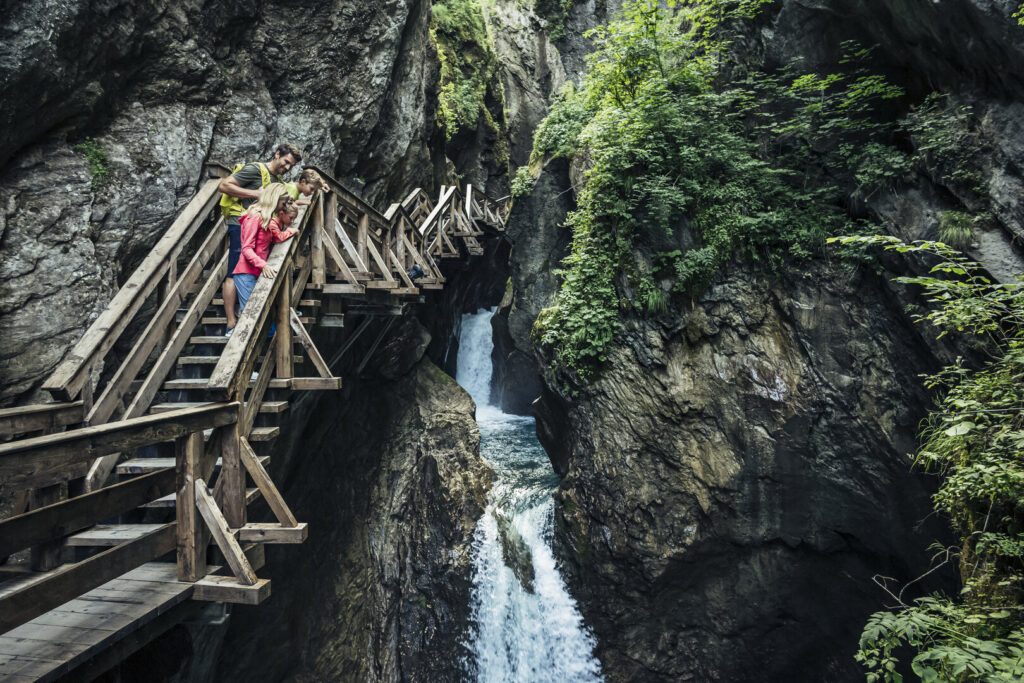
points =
(526, 627)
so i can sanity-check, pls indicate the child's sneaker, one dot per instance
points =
(229, 331)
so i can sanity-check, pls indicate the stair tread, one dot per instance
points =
(110, 534)
(146, 465)
(265, 406)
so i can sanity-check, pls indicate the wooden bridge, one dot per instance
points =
(155, 397)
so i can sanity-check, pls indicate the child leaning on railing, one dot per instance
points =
(261, 227)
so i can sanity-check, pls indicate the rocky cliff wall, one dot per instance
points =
(738, 473)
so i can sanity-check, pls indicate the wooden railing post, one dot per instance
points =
(283, 337)
(331, 215)
(46, 556)
(232, 474)
(191, 539)
(316, 244)
(364, 224)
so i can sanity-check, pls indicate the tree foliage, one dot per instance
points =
(691, 168)
(974, 438)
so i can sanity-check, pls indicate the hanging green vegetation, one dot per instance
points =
(96, 157)
(469, 71)
(748, 165)
(974, 438)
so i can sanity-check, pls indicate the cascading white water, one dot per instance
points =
(526, 626)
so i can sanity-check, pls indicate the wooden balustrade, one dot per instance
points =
(45, 459)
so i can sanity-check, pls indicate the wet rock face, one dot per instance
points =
(390, 479)
(736, 477)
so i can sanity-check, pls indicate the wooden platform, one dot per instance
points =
(55, 643)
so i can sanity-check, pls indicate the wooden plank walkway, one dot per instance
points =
(178, 421)
(55, 643)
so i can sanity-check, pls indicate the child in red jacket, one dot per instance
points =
(261, 227)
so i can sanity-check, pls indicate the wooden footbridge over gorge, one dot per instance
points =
(133, 487)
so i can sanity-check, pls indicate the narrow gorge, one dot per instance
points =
(718, 379)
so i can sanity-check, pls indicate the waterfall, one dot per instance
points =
(525, 625)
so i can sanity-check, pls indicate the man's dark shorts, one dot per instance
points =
(234, 245)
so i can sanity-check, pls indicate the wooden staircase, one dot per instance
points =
(141, 474)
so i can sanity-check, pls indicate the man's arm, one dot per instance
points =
(235, 185)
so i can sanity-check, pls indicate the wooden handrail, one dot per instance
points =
(241, 349)
(48, 416)
(71, 375)
(44, 460)
(352, 199)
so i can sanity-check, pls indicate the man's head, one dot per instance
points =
(286, 156)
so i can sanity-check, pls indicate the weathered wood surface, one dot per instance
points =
(44, 460)
(101, 468)
(266, 486)
(55, 643)
(48, 417)
(19, 604)
(191, 542)
(70, 376)
(221, 531)
(75, 514)
(119, 385)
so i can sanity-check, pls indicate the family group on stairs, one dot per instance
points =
(259, 207)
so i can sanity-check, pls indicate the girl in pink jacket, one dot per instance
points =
(265, 223)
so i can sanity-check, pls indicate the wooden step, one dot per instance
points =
(186, 384)
(405, 291)
(428, 286)
(264, 433)
(267, 407)
(171, 500)
(218, 320)
(382, 284)
(331, 320)
(103, 535)
(147, 465)
(212, 360)
(307, 303)
(338, 288)
(217, 339)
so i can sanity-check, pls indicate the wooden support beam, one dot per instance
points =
(225, 540)
(307, 343)
(339, 261)
(385, 271)
(283, 336)
(45, 459)
(227, 589)
(376, 343)
(266, 486)
(69, 581)
(316, 242)
(73, 515)
(232, 476)
(47, 417)
(71, 375)
(315, 383)
(350, 248)
(252, 406)
(361, 238)
(335, 288)
(273, 533)
(191, 541)
(46, 555)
